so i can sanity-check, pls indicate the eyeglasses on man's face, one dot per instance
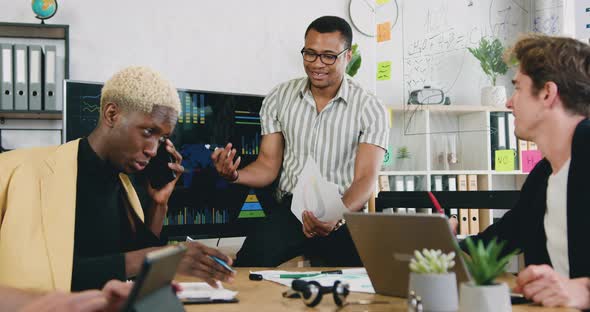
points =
(326, 58)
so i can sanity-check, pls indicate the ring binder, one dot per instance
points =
(49, 94)
(6, 87)
(35, 74)
(21, 73)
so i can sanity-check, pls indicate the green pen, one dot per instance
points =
(299, 275)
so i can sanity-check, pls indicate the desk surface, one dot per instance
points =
(267, 296)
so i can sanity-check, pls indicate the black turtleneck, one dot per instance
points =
(106, 225)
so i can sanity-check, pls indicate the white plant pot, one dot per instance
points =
(438, 291)
(493, 298)
(493, 96)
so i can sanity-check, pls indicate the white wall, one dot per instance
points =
(231, 46)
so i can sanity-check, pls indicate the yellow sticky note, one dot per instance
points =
(390, 115)
(382, 2)
(505, 160)
(384, 32)
(384, 70)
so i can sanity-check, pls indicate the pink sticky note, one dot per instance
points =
(530, 159)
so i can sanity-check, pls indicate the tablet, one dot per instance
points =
(152, 290)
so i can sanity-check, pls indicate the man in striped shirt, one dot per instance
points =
(329, 118)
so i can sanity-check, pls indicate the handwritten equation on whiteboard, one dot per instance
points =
(437, 36)
(548, 17)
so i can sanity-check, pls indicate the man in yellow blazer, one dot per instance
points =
(70, 218)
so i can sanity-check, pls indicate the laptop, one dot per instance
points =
(386, 244)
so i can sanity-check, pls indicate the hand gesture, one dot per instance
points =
(223, 158)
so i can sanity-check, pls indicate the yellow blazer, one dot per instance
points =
(37, 216)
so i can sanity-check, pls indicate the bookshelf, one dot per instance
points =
(448, 141)
(36, 118)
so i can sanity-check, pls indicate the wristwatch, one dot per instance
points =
(340, 223)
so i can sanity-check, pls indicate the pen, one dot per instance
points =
(223, 264)
(298, 275)
(301, 275)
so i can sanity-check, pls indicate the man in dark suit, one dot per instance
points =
(551, 221)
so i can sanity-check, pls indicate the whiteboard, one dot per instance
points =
(548, 18)
(436, 34)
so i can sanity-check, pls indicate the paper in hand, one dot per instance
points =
(314, 193)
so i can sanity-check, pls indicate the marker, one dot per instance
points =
(255, 277)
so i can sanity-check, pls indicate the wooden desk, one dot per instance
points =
(267, 296)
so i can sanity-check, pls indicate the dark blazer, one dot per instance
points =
(522, 227)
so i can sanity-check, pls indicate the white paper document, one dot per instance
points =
(204, 291)
(314, 193)
(357, 279)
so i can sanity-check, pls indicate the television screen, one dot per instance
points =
(207, 120)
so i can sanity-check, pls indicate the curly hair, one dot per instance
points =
(138, 88)
(328, 24)
(564, 61)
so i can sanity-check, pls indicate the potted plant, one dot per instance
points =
(489, 54)
(431, 280)
(402, 159)
(355, 61)
(485, 264)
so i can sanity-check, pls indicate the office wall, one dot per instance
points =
(232, 45)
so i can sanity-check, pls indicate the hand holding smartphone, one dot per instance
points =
(158, 172)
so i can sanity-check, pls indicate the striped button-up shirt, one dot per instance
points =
(330, 137)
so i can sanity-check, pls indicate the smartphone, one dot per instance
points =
(158, 172)
(152, 290)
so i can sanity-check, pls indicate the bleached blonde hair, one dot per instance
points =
(138, 88)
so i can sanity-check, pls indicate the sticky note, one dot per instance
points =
(505, 160)
(382, 2)
(384, 70)
(390, 115)
(530, 159)
(384, 32)
(388, 158)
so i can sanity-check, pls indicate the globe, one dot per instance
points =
(44, 8)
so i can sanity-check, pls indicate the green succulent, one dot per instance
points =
(432, 261)
(403, 152)
(489, 54)
(355, 61)
(485, 263)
